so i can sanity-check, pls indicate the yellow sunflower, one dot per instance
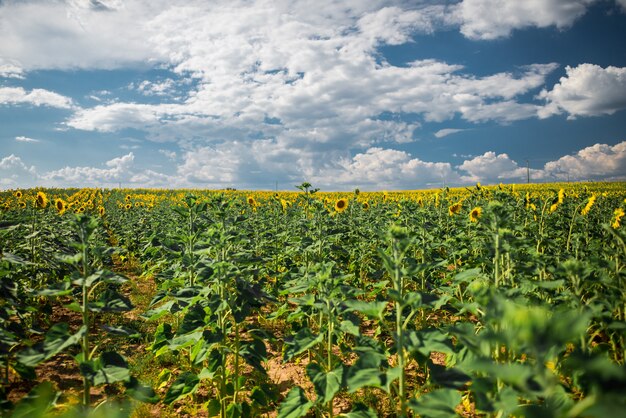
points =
(454, 209)
(251, 201)
(589, 204)
(341, 205)
(41, 201)
(619, 214)
(60, 205)
(366, 206)
(18, 194)
(475, 214)
(101, 210)
(128, 206)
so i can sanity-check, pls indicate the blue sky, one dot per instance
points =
(256, 94)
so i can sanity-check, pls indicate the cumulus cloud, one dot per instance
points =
(118, 170)
(491, 167)
(15, 173)
(622, 4)
(36, 97)
(285, 69)
(379, 168)
(10, 70)
(600, 161)
(492, 19)
(586, 90)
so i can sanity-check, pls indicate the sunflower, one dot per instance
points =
(101, 210)
(128, 206)
(285, 204)
(18, 194)
(619, 213)
(475, 214)
(251, 201)
(554, 206)
(341, 205)
(60, 205)
(41, 201)
(366, 206)
(589, 204)
(454, 209)
(22, 205)
(561, 196)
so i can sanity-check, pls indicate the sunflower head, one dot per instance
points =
(617, 219)
(251, 201)
(61, 206)
(101, 210)
(18, 194)
(22, 205)
(454, 209)
(475, 214)
(366, 205)
(41, 201)
(341, 205)
(128, 206)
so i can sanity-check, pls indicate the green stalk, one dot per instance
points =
(329, 351)
(85, 312)
(398, 284)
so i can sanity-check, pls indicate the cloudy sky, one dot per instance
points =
(258, 94)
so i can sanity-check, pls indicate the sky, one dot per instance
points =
(267, 94)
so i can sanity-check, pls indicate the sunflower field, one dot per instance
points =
(486, 301)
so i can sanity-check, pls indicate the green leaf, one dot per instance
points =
(302, 341)
(110, 301)
(295, 404)
(349, 327)
(326, 384)
(109, 368)
(371, 309)
(140, 392)
(58, 289)
(184, 385)
(56, 340)
(361, 411)
(437, 404)
(121, 331)
(39, 400)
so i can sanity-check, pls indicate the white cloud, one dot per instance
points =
(622, 4)
(238, 165)
(118, 170)
(36, 97)
(441, 133)
(492, 19)
(10, 70)
(587, 90)
(14, 173)
(26, 139)
(379, 168)
(491, 167)
(600, 161)
(77, 34)
(164, 88)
